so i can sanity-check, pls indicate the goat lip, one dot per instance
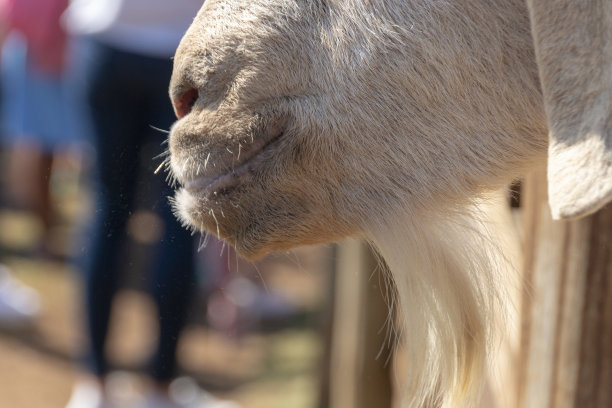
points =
(223, 182)
(207, 182)
(214, 183)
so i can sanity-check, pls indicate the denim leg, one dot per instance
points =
(128, 96)
(109, 105)
(173, 288)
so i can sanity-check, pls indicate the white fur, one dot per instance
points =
(449, 277)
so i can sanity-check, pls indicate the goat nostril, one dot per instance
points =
(184, 103)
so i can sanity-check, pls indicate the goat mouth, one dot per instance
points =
(223, 182)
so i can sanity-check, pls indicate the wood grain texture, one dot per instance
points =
(360, 350)
(566, 341)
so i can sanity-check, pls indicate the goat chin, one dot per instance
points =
(449, 274)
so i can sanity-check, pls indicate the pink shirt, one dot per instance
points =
(39, 22)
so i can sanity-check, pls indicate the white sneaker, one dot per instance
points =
(185, 393)
(19, 304)
(88, 394)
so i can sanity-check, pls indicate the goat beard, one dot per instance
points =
(451, 275)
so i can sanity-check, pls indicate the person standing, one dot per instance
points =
(123, 57)
(35, 113)
(33, 129)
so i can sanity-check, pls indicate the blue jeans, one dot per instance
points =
(126, 94)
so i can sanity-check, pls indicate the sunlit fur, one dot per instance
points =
(452, 280)
(389, 120)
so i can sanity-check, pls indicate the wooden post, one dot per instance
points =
(566, 341)
(360, 355)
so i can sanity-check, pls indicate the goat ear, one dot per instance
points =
(573, 45)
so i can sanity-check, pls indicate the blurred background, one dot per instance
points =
(106, 301)
(253, 334)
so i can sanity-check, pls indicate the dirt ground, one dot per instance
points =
(277, 367)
